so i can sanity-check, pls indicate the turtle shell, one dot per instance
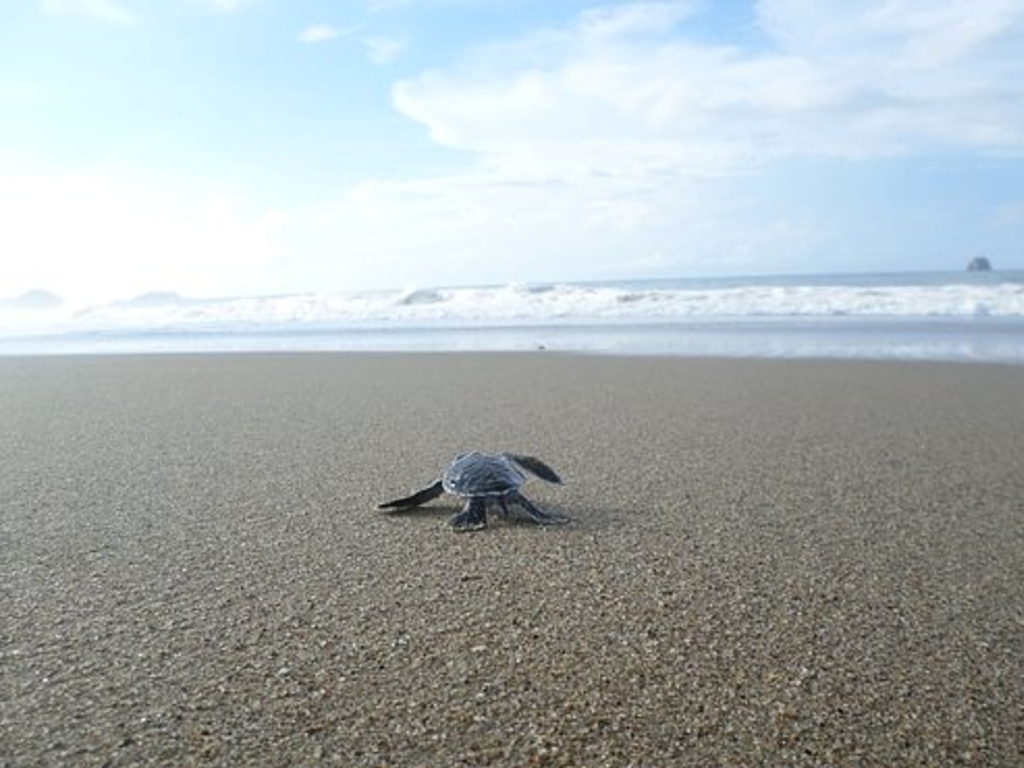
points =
(481, 474)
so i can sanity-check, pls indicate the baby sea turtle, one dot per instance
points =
(481, 478)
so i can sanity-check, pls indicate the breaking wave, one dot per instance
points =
(953, 296)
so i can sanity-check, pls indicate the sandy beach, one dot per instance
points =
(768, 562)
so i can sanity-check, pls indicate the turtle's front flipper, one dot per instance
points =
(420, 497)
(536, 466)
(537, 514)
(473, 517)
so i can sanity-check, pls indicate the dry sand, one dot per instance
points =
(802, 563)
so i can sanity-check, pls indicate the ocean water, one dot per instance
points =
(962, 316)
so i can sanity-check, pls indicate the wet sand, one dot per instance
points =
(802, 563)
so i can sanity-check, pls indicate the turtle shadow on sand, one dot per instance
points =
(486, 480)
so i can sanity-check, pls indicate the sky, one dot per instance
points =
(236, 147)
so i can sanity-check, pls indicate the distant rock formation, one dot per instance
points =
(979, 264)
(33, 300)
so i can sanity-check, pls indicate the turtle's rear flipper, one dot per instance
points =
(536, 466)
(418, 498)
(473, 517)
(537, 514)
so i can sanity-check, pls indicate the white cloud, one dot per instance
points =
(91, 236)
(224, 6)
(604, 22)
(319, 33)
(609, 145)
(383, 50)
(482, 226)
(935, 32)
(105, 10)
(838, 79)
(619, 136)
(374, 6)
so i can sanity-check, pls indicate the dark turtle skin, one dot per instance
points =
(483, 479)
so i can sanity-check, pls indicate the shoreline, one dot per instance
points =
(642, 357)
(975, 339)
(800, 561)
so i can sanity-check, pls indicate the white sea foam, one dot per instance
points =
(535, 304)
(932, 316)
